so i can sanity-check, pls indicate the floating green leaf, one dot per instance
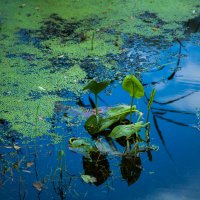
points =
(80, 142)
(96, 87)
(133, 86)
(88, 179)
(126, 130)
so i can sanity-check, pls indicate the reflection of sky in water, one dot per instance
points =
(177, 179)
(185, 81)
(188, 191)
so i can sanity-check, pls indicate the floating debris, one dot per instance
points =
(38, 185)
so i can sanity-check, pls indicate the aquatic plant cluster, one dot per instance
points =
(113, 126)
(114, 123)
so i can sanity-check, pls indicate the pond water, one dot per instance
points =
(47, 57)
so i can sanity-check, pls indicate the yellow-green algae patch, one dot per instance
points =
(109, 20)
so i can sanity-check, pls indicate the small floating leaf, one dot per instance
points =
(29, 164)
(96, 87)
(133, 86)
(38, 185)
(80, 143)
(16, 147)
(88, 179)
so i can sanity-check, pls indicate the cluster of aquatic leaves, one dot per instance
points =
(114, 120)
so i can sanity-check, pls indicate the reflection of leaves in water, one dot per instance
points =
(97, 166)
(131, 168)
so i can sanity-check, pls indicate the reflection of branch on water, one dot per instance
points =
(172, 121)
(173, 111)
(174, 100)
(171, 76)
(158, 130)
(92, 103)
(161, 137)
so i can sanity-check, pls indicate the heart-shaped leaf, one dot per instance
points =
(126, 130)
(133, 86)
(96, 87)
(92, 124)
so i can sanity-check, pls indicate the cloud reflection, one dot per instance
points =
(189, 190)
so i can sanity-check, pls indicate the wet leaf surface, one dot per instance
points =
(126, 130)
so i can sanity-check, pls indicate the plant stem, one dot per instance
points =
(92, 41)
(96, 106)
(147, 127)
(148, 115)
(131, 109)
(127, 146)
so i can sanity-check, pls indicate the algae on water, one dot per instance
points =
(46, 53)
